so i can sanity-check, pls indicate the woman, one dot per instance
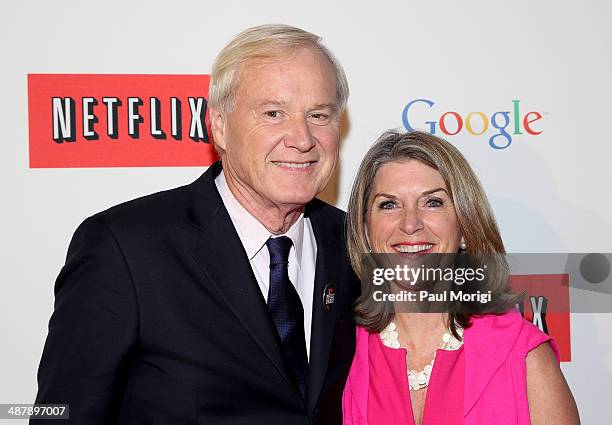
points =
(415, 194)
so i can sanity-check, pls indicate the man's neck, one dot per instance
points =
(276, 218)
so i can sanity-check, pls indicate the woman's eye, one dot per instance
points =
(435, 202)
(386, 205)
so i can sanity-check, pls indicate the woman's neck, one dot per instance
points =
(420, 330)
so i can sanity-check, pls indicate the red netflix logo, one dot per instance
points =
(118, 120)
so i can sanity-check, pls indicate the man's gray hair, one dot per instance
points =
(265, 42)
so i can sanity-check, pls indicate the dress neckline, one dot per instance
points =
(401, 353)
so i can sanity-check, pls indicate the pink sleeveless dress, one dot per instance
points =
(482, 383)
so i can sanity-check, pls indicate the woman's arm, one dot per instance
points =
(550, 399)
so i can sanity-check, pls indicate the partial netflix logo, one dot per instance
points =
(547, 306)
(89, 120)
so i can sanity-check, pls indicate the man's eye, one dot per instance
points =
(319, 118)
(435, 202)
(272, 114)
(386, 205)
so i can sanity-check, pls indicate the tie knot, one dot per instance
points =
(279, 249)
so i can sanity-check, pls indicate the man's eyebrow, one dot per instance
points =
(326, 105)
(268, 102)
(282, 103)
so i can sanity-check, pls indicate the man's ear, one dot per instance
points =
(217, 127)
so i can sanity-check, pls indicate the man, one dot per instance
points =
(226, 301)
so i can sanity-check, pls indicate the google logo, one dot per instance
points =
(478, 123)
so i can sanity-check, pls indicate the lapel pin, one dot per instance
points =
(329, 294)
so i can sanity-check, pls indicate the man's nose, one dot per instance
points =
(300, 135)
(411, 221)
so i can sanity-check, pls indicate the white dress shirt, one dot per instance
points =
(302, 255)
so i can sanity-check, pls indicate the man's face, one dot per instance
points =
(280, 142)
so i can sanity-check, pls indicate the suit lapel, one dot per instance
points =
(225, 265)
(323, 321)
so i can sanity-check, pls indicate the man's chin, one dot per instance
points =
(292, 198)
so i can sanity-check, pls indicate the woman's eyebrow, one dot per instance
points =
(428, 192)
(386, 195)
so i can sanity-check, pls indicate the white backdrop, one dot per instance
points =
(550, 192)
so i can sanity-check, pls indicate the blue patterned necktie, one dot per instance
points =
(286, 309)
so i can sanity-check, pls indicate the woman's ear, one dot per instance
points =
(365, 232)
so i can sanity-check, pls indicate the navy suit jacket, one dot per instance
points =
(158, 319)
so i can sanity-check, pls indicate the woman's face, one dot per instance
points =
(410, 211)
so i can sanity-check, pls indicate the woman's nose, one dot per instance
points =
(411, 221)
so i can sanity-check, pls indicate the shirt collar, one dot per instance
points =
(252, 233)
